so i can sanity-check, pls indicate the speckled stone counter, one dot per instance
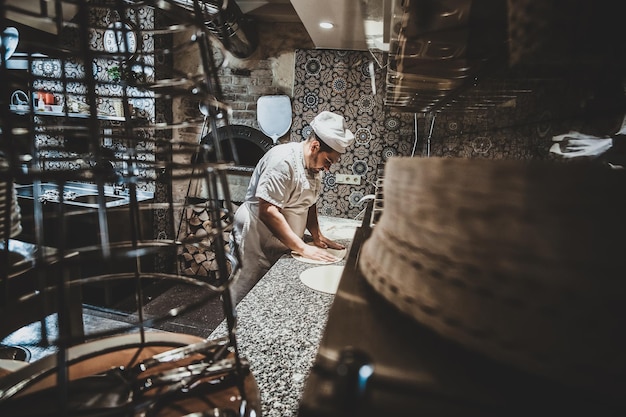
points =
(281, 322)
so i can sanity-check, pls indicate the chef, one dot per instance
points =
(280, 202)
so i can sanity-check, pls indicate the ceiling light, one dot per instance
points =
(326, 25)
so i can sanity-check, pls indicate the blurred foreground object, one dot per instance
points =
(517, 261)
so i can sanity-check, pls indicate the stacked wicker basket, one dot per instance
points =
(522, 262)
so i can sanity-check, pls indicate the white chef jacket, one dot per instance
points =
(280, 178)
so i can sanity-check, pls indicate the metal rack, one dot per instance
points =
(441, 53)
(96, 139)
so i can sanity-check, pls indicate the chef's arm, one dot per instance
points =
(312, 223)
(319, 239)
(273, 218)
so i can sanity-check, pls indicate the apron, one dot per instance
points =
(259, 247)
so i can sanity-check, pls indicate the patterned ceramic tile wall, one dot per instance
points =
(48, 72)
(524, 127)
(340, 81)
(519, 129)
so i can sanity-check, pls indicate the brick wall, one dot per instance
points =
(269, 71)
(243, 87)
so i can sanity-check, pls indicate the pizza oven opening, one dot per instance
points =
(250, 145)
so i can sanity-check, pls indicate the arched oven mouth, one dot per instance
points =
(250, 145)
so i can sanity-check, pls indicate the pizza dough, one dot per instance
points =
(338, 253)
(322, 278)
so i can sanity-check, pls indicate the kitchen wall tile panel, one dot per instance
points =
(340, 81)
(48, 74)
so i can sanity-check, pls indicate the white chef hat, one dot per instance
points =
(331, 129)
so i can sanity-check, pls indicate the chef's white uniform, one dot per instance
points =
(280, 178)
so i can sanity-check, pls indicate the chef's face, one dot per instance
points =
(323, 160)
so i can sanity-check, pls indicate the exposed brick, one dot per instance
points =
(242, 81)
(238, 106)
(263, 64)
(241, 72)
(229, 97)
(245, 122)
(261, 73)
(246, 98)
(265, 81)
(234, 89)
(261, 90)
(225, 79)
(244, 115)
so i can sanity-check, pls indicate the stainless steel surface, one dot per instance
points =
(77, 194)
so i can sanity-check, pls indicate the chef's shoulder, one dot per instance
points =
(285, 153)
(279, 159)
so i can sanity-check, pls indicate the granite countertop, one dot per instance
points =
(280, 325)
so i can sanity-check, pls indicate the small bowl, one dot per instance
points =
(20, 107)
(16, 353)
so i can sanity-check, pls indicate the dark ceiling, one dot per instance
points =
(441, 51)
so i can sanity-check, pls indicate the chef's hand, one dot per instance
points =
(317, 253)
(324, 242)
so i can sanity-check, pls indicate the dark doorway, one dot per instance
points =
(250, 143)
